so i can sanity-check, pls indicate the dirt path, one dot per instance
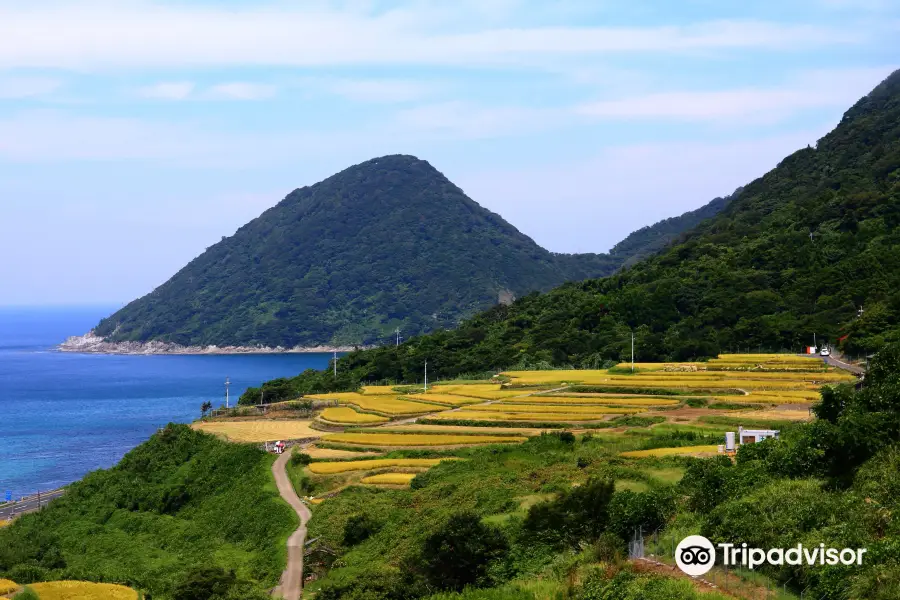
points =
(291, 584)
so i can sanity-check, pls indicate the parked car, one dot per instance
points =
(825, 352)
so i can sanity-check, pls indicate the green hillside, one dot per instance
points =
(181, 508)
(387, 243)
(797, 252)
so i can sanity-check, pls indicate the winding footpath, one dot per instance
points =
(291, 585)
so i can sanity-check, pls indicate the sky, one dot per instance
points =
(136, 133)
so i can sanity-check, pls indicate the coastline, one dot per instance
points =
(90, 343)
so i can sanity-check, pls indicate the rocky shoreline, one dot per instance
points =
(90, 343)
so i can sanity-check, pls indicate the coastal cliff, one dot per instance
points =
(91, 343)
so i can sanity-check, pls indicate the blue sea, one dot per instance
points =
(63, 415)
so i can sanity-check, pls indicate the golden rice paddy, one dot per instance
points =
(422, 427)
(542, 408)
(316, 452)
(593, 399)
(389, 405)
(414, 439)
(389, 479)
(682, 451)
(259, 430)
(7, 586)
(4, 523)
(540, 417)
(330, 468)
(457, 389)
(447, 399)
(379, 390)
(347, 416)
(82, 590)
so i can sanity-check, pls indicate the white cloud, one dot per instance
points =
(168, 90)
(470, 121)
(378, 90)
(812, 89)
(96, 35)
(242, 91)
(598, 201)
(18, 87)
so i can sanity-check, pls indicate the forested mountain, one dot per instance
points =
(387, 243)
(649, 240)
(812, 247)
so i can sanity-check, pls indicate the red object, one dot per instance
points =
(843, 337)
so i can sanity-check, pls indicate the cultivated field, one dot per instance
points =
(414, 439)
(379, 390)
(324, 453)
(447, 399)
(545, 417)
(682, 451)
(347, 416)
(330, 468)
(259, 430)
(389, 479)
(82, 590)
(7, 586)
(549, 408)
(387, 405)
(588, 399)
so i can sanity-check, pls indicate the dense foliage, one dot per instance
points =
(183, 515)
(387, 243)
(652, 239)
(797, 252)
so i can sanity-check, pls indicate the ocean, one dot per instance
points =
(64, 415)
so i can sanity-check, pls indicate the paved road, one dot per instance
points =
(291, 584)
(28, 504)
(831, 360)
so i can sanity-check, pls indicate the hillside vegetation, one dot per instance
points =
(183, 515)
(387, 243)
(797, 252)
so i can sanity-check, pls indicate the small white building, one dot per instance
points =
(754, 436)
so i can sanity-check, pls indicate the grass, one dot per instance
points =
(330, 468)
(389, 479)
(346, 415)
(259, 430)
(82, 590)
(683, 450)
(416, 439)
(7, 586)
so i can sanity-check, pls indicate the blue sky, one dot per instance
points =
(134, 134)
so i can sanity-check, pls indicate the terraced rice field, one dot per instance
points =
(589, 400)
(492, 394)
(316, 452)
(379, 390)
(550, 408)
(389, 479)
(422, 427)
(457, 389)
(330, 468)
(388, 405)
(7, 586)
(544, 417)
(82, 590)
(415, 439)
(447, 399)
(259, 430)
(682, 451)
(347, 416)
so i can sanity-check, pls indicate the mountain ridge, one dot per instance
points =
(388, 243)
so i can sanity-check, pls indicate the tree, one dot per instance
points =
(205, 408)
(460, 553)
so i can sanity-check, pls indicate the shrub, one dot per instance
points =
(580, 514)
(300, 458)
(358, 529)
(26, 594)
(461, 552)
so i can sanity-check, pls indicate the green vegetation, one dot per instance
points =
(405, 248)
(797, 251)
(180, 513)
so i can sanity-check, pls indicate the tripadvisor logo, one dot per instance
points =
(696, 555)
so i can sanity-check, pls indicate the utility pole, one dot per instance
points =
(397, 331)
(426, 375)
(227, 384)
(632, 351)
(335, 364)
